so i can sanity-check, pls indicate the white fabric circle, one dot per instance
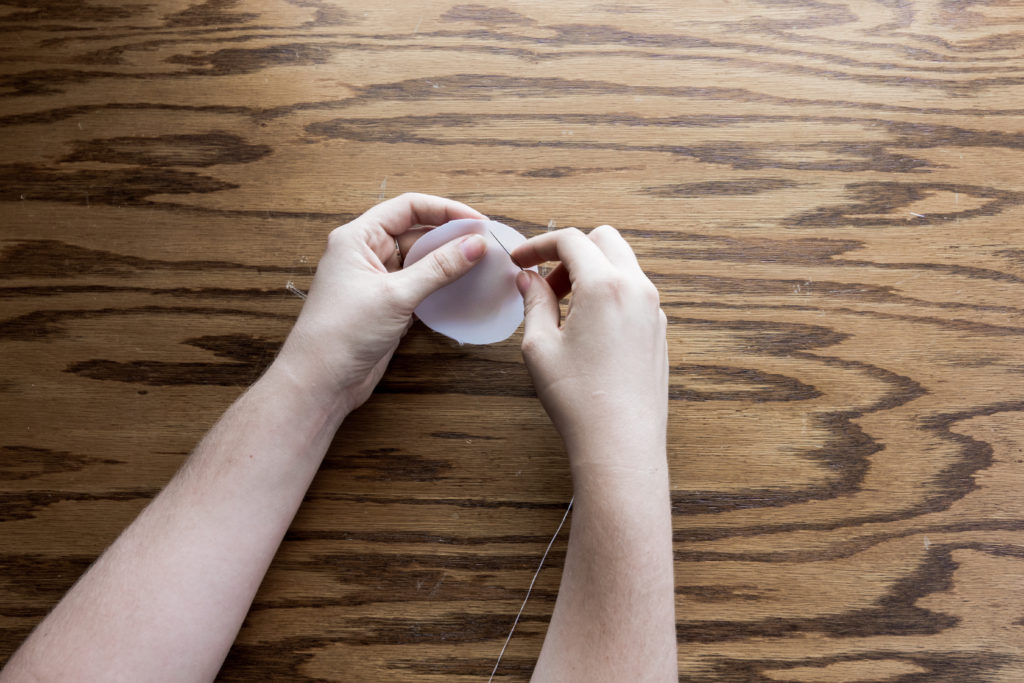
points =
(483, 306)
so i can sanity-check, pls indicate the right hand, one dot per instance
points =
(602, 374)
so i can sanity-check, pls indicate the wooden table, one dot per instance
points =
(827, 194)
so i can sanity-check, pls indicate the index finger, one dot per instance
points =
(578, 254)
(404, 211)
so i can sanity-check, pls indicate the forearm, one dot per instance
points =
(614, 619)
(168, 597)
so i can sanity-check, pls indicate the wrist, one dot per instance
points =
(634, 464)
(617, 440)
(623, 494)
(314, 388)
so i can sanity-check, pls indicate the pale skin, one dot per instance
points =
(166, 600)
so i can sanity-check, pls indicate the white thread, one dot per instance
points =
(530, 589)
(290, 286)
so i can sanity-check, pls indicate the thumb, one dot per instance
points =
(539, 302)
(444, 265)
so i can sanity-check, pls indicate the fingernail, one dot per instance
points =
(473, 247)
(523, 282)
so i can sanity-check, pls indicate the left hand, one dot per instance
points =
(361, 302)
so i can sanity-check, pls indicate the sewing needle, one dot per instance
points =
(504, 249)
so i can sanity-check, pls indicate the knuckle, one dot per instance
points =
(390, 292)
(604, 229)
(400, 298)
(616, 287)
(529, 345)
(607, 285)
(650, 293)
(337, 237)
(532, 343)
(396, 201)
(412, 198)
(444, 265)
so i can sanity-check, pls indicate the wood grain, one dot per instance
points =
(828, 195)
